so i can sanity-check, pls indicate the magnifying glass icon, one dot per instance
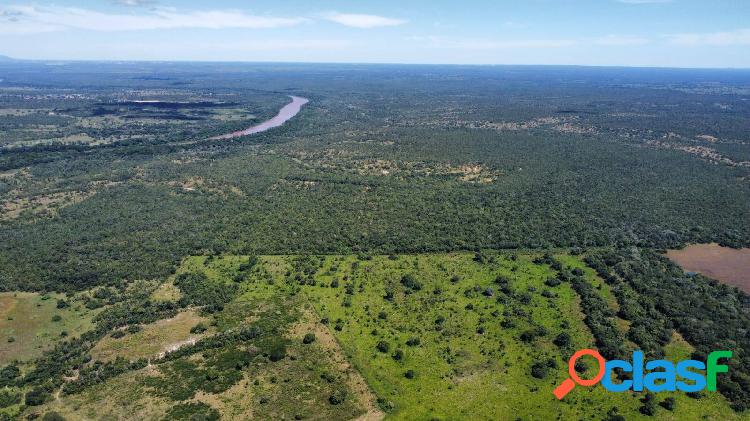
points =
(568, 384)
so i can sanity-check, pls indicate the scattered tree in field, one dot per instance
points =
(668, 403)
(338, 397)
(383, 346)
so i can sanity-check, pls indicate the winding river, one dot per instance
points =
(285, 113)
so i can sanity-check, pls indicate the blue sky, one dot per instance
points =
(674, 33)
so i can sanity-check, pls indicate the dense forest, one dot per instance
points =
(383, 159)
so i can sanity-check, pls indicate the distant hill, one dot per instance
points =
(6, 58)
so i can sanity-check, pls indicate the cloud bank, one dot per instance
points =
(726, 38)
(36, 19)
(621, 40)
(644, 1)
(362, 21)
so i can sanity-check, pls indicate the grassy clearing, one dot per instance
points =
(166, 291)
(458, 371)
(432, 336)
(122, 398)
(28, 323)
(153, 340)
(240, 380)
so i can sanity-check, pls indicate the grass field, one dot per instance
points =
(27, 327)
(153, 340)
(459, 372)
(417, 337)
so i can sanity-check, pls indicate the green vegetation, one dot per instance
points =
(483, 334)
(407, 164)
(420, 242)
(31, 323)
(646, 282)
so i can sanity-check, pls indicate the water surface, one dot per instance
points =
(285, 113)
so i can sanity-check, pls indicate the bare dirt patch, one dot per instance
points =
(731, 266)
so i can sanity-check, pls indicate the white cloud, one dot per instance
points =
(362, 21)
(726, 38)
(515, 25)
(644, 1)
(621, 40)
(33, 19)
(276, 45)
(135, 3)
(484, 44)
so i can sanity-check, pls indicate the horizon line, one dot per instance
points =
(354, 63)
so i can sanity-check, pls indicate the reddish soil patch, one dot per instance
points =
(725, 264)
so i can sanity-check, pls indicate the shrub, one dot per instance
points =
(649, 405)
(508, 324)
(409, 374)
(530, 335)
(9, 397)
(383, 346)
(562, 340)
(539, 370)
(410, 282)
(413, 341)
(398, 355)
(337, 397)
(386, 405)
(192, 411)
(524, 298)
(53, 416)
(275, 349)
(36, 397)
(309, 338)
(8, 375)
(502, 280)
(668, 404)
(246, 266)
(552, 282)
(199, 328)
